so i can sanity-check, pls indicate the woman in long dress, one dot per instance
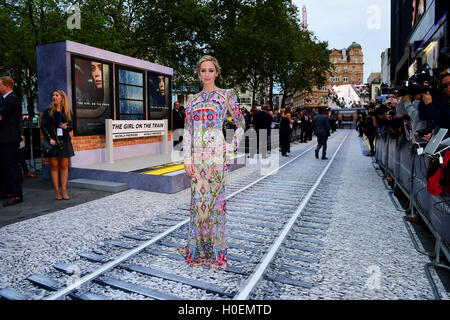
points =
(206, 160)
(285, 131)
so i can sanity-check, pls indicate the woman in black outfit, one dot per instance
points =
(285, 131)
(56, 125)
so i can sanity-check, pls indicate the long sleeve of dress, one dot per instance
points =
(188, 132)
(45, 126)
(235, 113)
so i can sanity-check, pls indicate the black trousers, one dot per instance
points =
(264, 146)
(22, 162)
(322, 142)
(12, 176)
(285, 140)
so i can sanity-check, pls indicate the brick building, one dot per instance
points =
(348, 68)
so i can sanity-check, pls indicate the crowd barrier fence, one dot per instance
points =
(399, 159)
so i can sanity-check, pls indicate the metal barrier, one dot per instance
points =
(409, 172)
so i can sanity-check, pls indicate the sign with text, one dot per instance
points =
(137, 128)
(122, 129)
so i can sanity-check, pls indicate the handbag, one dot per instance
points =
(48, 149)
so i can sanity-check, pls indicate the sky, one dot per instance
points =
(340, 22)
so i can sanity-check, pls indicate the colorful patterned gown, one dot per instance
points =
(205, 147)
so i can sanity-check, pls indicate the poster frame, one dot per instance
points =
(74, 109)
(153, 73)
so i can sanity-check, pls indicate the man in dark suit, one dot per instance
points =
(321, 127)
(10, 137)
(178, 121)
(304, 122)
(262, 120)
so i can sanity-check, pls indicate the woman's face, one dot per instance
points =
(208, 73)
(96, 72)
(161, 85)
(57, 98)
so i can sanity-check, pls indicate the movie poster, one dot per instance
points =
(159, 97)
(92, 96)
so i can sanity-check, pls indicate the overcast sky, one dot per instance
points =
(340, 22)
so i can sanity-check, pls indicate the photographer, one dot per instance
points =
(409, 105)
(436, 111)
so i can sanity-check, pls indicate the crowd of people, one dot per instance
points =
(294, 125)
(414, 117)
(342, 103)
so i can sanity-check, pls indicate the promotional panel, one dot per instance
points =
(159, 97)
(130, 94)
(92, 88)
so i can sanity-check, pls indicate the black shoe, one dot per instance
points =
(12, 201)
(5, 196)
(317, 154)
(324, 158)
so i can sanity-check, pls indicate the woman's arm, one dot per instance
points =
(187, 133)
(234, 111)
(69, 126)
(45, 123)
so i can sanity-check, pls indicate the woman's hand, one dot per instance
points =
(52, 142)
(189, 168)
(63, 126)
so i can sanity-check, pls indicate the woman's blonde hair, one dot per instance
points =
(208, 58)
(65, 106)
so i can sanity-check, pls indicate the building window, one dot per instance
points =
(345, 69)
(345, 79)
(335, 60)
(324, 89)
(336, 69)
(356, 60)
(353, 68)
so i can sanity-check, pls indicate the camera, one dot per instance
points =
(421, 82)
(423, 132)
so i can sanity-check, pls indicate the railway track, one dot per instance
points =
(277, 216)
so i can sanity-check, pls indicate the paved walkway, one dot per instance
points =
(39, 199)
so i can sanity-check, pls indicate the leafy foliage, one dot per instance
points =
(258, 42)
